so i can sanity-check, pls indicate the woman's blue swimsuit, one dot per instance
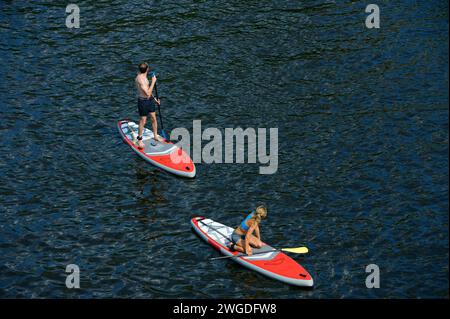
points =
(234, 236)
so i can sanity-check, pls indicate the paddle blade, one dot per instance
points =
(297, 250)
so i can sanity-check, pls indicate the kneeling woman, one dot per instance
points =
(243, 238)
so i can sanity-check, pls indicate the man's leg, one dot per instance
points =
(155, 127)
(142, 122)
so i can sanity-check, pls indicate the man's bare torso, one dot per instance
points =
(142, 81)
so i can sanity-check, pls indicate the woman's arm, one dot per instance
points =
(248, 249)
(257, 234)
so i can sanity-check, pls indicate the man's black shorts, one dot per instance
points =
(145, 106)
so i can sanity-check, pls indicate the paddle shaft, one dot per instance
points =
(238, 255)
(245, 255)
(159, 112)
(223, 257)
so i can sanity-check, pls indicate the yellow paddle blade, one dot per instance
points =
(297, 250)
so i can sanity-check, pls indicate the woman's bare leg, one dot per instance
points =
(239, 246)
(255, 242)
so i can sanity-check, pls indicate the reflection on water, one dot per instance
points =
(363, 161)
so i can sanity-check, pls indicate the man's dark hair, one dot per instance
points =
(143, 67)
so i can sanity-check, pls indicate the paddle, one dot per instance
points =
(296, 250)
(159, 112)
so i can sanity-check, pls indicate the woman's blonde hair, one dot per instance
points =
(260, 213)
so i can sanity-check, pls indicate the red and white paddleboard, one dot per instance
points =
(165, 155)
(265, 260)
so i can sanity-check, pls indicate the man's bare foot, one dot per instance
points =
(140, 144)
(158, 138)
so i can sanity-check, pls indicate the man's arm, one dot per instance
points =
(152, 85)
(147, 89)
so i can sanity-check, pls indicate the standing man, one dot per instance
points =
(146, 103)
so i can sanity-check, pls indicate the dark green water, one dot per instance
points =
(363, 163)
